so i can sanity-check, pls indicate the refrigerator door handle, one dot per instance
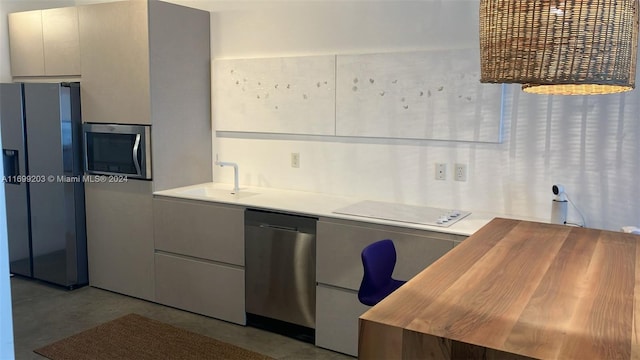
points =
(136, 146)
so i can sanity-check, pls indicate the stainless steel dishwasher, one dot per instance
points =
(280, 272)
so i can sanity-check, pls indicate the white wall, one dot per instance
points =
(6, 322)
(589, 144)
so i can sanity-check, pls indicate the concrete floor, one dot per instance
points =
(43, 314)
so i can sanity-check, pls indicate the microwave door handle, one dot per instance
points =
(136, 145)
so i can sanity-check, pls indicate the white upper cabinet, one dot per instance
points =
(115, 58)
(289, 95)
(61, 41)
(25, 43)
(44, 42)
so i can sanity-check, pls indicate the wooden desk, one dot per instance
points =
(516, 289)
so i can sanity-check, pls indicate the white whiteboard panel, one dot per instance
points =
(417, 95)
(293, 95)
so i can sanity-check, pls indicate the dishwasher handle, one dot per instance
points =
(278, 227)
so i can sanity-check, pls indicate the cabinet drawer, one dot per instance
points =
(415, 250)
(205, 288)
(337, 313)
(199, 229)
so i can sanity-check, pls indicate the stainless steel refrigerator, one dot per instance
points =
(41, 139)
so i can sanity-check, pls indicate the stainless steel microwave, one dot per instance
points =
(117, 149)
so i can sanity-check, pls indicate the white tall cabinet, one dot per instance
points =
(143, 62)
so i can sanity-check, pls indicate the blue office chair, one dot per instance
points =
(378, 260)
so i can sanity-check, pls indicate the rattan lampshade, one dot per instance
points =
(570, 47)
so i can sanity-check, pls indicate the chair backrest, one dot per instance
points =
(378, 261)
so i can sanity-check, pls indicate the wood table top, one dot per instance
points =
(534, 289)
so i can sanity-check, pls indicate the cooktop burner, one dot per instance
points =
(404, 213)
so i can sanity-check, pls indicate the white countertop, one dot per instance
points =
(313, 204)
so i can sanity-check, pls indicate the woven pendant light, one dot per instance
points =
(570, 47)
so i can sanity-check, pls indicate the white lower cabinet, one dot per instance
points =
(339, 272)
(199, 257)
(337, 313)
(203, 287)
(199, 264)
(120, 237)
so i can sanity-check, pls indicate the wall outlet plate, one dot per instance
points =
(461, 172)
(441, 171)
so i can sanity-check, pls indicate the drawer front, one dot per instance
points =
(415, 251)
(199, 229)
(337, 313)
(201, 287)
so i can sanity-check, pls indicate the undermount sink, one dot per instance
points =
(217, 193)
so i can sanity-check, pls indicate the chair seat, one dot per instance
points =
(373, 299)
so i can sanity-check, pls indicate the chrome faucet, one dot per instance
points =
(236, 188)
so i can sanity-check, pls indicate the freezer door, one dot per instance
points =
(13, 151)
(55, 217)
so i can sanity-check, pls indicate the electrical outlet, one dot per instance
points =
(295, 160)
(461, 172)
(441, 171)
